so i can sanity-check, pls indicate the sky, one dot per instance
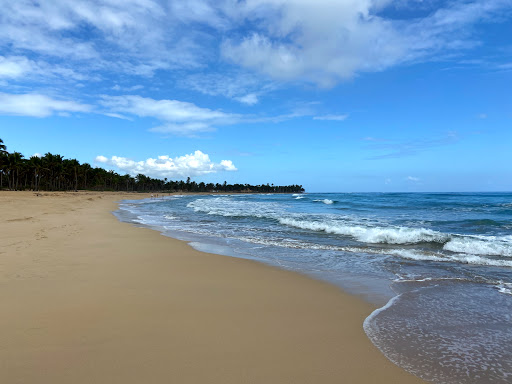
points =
(335, 95)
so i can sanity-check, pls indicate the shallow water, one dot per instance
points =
(439, 265)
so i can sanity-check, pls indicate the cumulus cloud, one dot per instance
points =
(413, 179)
(37, 105)
(194, 164)
(176, 116)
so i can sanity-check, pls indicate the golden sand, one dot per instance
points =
(87, 299)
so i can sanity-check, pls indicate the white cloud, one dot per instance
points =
(117, 87)
(176, 116)
(242, 87)
(37, 105)
(250, 99)
(194, 164)
(134, 36)
(331, 117)
(413, 179)
(322, 41)
(14, 66)
(101, 159)
(21, 68)
(117, 116)
(326, 41)
(390, 149)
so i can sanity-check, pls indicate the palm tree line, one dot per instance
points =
(55, 173)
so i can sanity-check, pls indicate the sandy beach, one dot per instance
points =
(88, 299)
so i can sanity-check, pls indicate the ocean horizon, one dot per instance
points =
(437, 265)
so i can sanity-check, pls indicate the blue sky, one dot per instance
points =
(336, 95)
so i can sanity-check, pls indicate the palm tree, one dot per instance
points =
(3, 167)
(36, 163)
(85, 167)
(3, 161)
(14, 161)
(54, 165)
(3, 148)
(141, 179)
(71, 167)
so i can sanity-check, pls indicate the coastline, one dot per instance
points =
(87, 298)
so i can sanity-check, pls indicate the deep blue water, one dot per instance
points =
(438, 264)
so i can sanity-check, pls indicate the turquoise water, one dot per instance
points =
(439, 265)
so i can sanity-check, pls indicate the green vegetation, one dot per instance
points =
(54, 173)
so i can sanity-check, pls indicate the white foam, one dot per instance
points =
(372, 235)
(325, 201)
(439, 257)
(370, 326)
(229, 207)
(505, 288)
(480, 245)
(466, 249)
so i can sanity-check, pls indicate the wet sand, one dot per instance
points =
(88, 299)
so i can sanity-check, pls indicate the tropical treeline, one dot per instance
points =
(55, 173)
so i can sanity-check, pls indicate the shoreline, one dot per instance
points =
(88, 298)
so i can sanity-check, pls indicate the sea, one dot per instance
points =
(437, 265)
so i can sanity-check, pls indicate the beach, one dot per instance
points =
(86, 298)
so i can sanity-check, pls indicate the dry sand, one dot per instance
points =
(87, 299)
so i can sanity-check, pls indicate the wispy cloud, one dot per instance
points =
(36, 105)
(177, 117)
(190, 165)
(240, 86)
(390, 149)
(132, 36)
(331, 117)
(323, 42)
(249, 99)
(22, 68)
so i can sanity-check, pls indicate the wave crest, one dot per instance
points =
(325, 201)
(372, 235)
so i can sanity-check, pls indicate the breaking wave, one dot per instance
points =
(325, 201)
(476, 245)
(365, 230)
